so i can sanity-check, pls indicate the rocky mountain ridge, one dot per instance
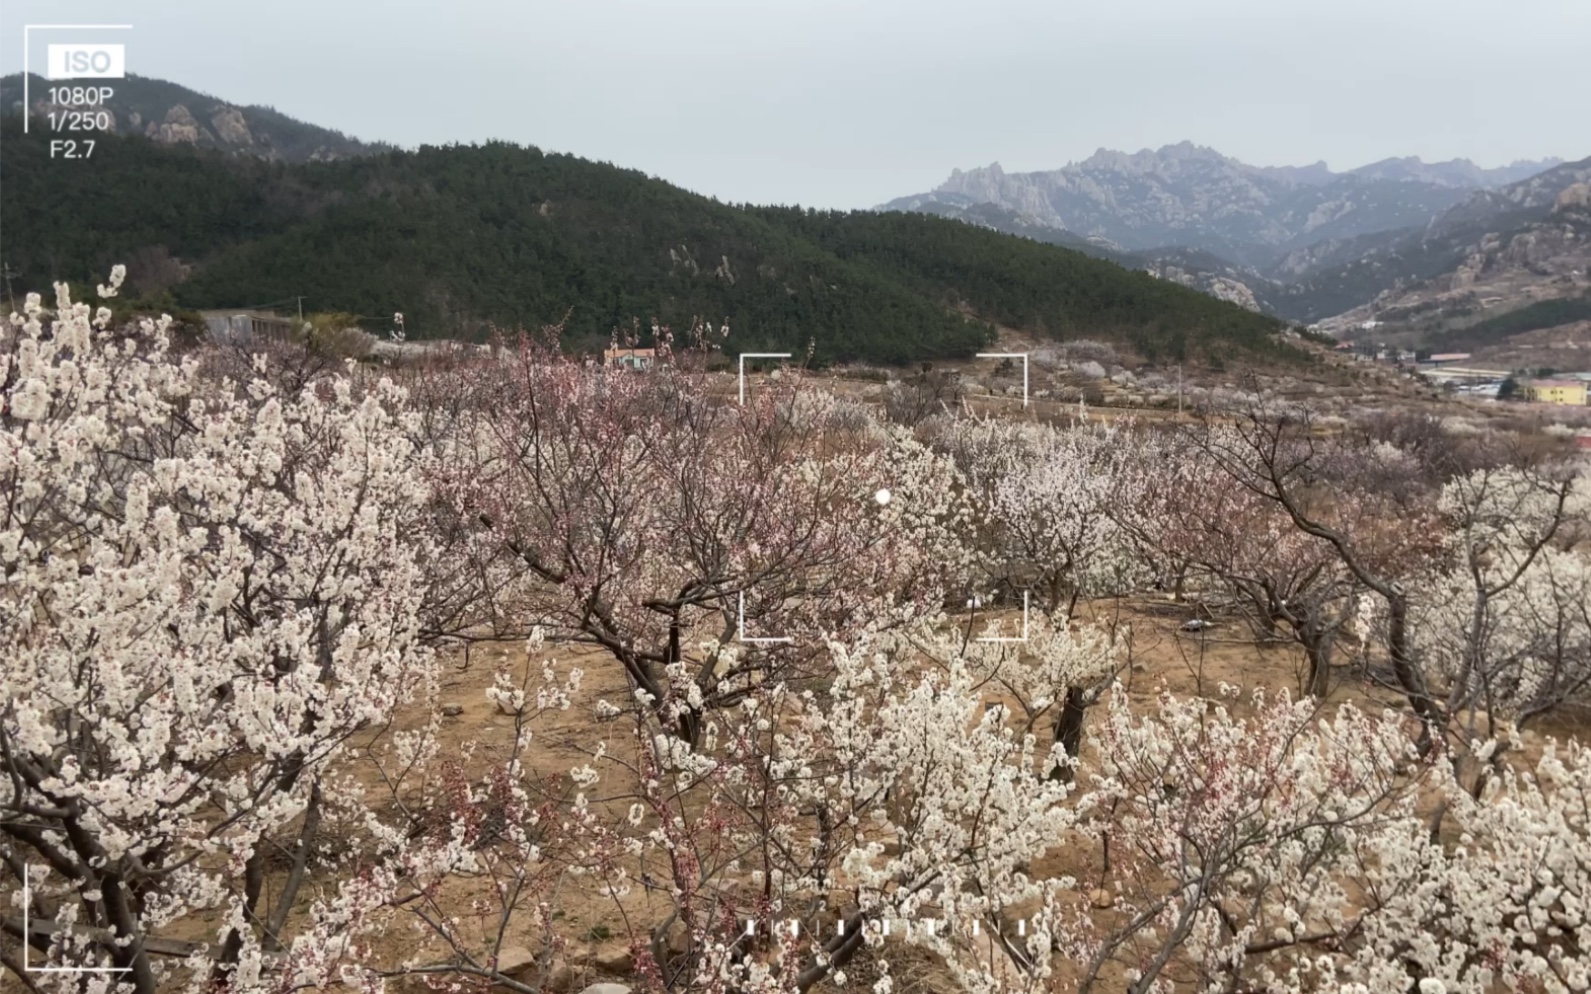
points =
(1299, 241)
(1498, 251)
(1188, 194)
(176, 115)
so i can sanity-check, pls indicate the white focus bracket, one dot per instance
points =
(755, 355)
(1012, 355)
(740, 629)
(1024, 638)
(27, 967)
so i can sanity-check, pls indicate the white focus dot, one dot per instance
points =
(882, 497)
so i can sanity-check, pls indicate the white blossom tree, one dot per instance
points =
(1371, 504)
(1048, 501)
(206, 592)
(1503, 624)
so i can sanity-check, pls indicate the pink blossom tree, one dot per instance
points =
(638, 514)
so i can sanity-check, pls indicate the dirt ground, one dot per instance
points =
(1335, 384)
(1160, 656)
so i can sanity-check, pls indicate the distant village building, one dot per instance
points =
(429, 347)
(1443, 358)
(1484, 374)
(1488, 390)
(630, 358)
(1570, 392)
(236, 327)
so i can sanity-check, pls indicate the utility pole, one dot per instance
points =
(1179, 391)
(6, 273)
(301, 311)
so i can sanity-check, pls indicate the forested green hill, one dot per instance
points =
(461, 237)
(1495, 330)
(1060, 293)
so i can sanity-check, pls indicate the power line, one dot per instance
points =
(268, 303)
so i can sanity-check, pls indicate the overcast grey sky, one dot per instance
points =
(847, 103)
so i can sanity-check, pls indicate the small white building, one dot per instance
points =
(236, 327)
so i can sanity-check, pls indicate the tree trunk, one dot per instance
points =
(1069, 729)
(307, 837)
(1410, 679)
(690, 726)
(253, 884)
(133, 958)
(1317, 651)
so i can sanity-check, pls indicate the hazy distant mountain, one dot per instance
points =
(176, 115)
(1460, 173)
(1193, 268)
(1209, 220)
(1190, 195)
(1496, 251)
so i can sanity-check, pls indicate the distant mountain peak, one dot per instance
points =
(1188, 150)
(1455, 173)
(1146, 159)
(1190, 194)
